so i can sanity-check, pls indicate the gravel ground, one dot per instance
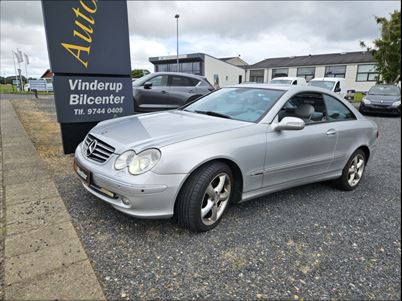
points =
(311, 242)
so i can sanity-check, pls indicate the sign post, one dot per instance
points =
(88, 46)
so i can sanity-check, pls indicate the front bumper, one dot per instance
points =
(149, 195)
(365, 108)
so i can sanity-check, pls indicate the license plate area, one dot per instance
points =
(85, 175)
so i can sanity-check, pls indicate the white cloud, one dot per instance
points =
(254, 29)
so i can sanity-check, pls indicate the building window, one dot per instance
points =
(307, 72)
(257, 76)
(162, 67)
(335, 71)
(367, 73)
(192, 68)
(280, 72)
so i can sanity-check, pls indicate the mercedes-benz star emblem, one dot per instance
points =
(382, 101)
(91, 148)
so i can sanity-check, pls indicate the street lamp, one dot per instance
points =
(177, 40)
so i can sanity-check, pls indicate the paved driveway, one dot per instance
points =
(309, 242)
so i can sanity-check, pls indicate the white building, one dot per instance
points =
(358, 68)
(219, 72)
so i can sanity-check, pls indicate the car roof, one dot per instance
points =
(293, 88)
(181, 74)
(328, 79)
(288, 78)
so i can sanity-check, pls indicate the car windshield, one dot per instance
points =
(245, 104)
(386, 90)
(322, 84)
(281, 81)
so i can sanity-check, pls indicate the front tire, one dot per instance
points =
(352, 172)
(204, 197)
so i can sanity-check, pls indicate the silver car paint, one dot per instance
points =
(269, 160)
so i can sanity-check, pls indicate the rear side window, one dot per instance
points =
(337, 111)
(182, 81)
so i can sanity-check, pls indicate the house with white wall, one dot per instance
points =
(219, 72)
(358, 68)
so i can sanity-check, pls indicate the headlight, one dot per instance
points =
(366, 101)
(124, 159)
(396, 103)
(144, 161)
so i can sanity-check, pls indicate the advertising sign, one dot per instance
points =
(92, 98)
(88, 46)
(37, 84)
(87, 36)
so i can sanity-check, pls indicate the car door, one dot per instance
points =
(346, 125)
(155, 96)
(294, 156)
(182, 88)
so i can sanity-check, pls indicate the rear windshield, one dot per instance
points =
(322, 84)
(386, 90)
(281, 81)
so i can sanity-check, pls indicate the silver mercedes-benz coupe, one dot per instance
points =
(232, 145)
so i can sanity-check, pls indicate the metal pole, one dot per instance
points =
(15, 68)
(26, 69)
(177, 41)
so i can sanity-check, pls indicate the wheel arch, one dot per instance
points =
(237, 174)
(366, 151)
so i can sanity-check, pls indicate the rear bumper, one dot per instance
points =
(364, 108)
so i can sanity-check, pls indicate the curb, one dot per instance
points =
(43, 256)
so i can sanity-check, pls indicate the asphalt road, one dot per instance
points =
(309, 242)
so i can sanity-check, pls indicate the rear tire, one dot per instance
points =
(204, 197)
(352, 172)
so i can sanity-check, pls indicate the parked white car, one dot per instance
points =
(334, 84)
(300, 81)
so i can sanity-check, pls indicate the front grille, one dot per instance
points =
(100, 153)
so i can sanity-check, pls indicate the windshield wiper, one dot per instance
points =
(212, 113)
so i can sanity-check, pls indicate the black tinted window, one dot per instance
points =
(182, 81)
(337, 110)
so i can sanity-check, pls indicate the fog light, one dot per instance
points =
(125, 200)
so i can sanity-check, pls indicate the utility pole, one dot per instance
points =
(177, 41)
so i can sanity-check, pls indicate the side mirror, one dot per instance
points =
(289, 124)
(148, 85)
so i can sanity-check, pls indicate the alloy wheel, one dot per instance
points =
(356, 169)
(216, 198)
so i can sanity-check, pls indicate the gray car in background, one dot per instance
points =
(382, 99)
(168, 90)
(232, 145)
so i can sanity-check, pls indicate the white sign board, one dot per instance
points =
(38, 85)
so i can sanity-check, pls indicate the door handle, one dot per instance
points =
(163, 92)
(331, 132)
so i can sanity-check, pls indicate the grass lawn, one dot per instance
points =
(10, 89)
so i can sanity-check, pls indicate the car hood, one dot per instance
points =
(139, 132)
(382, 99)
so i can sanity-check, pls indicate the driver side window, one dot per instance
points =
(309, 107)
(159, 81)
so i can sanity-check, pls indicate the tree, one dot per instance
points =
(137, 73)
(387, 48)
